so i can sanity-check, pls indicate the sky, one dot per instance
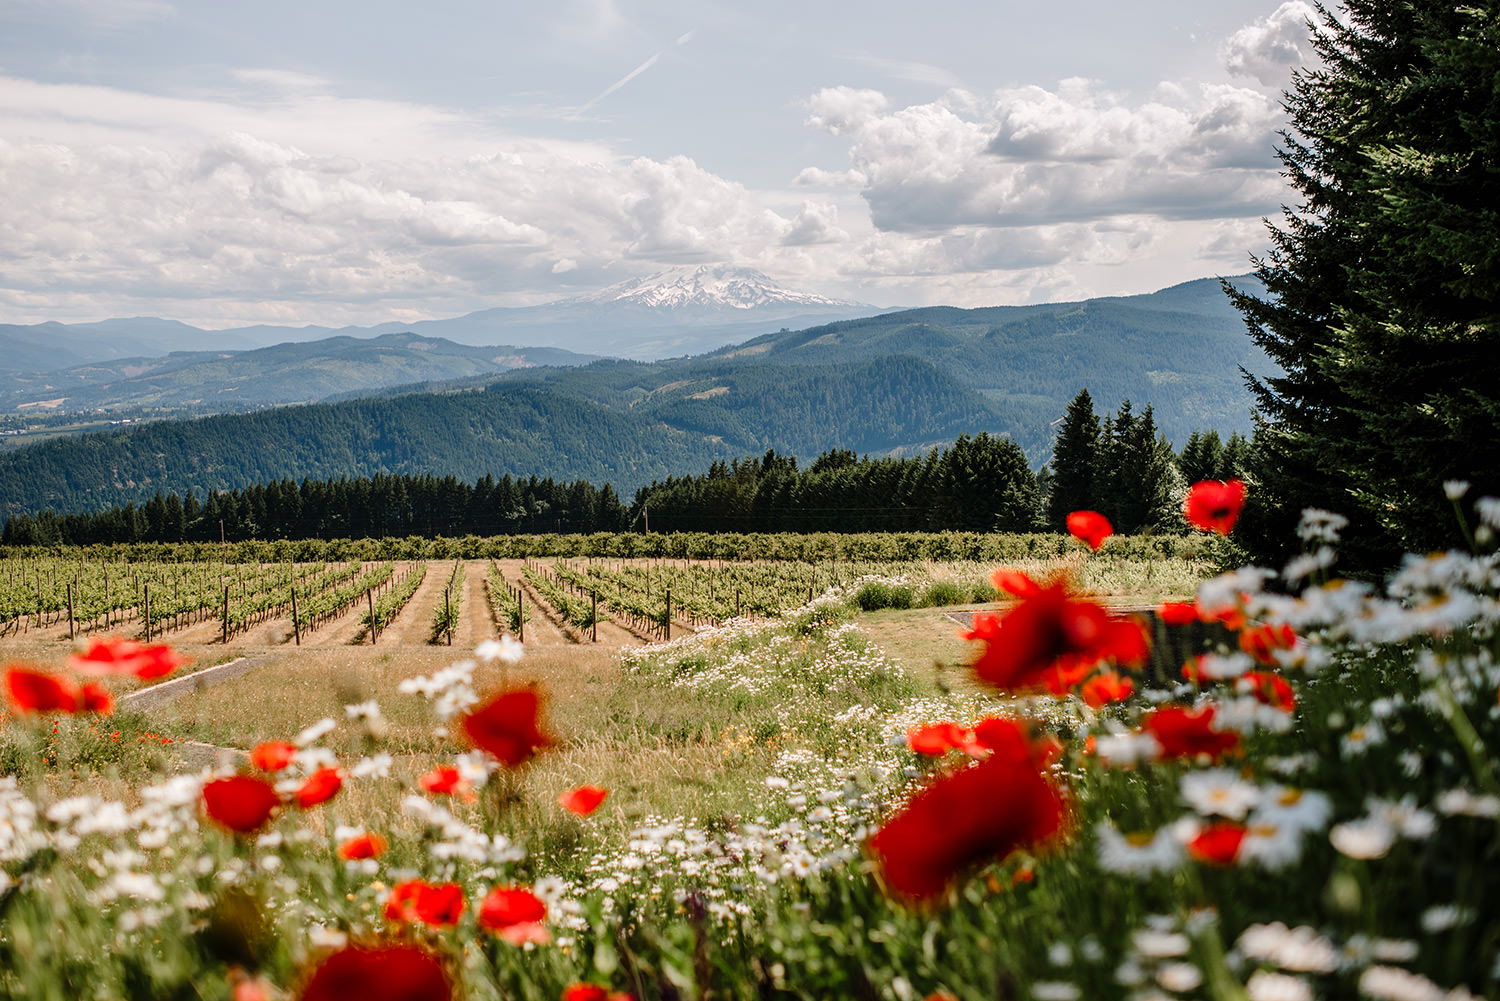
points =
(336, 162)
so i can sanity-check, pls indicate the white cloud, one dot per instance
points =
(1271, 47)
(154, 210)
(1030, 156)
(815, 223)
(817, 177)
(277, 200)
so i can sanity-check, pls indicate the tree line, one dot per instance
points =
(1124, 468)
(1119, 465)
(381, 506)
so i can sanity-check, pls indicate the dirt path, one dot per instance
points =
(543, 625)
(475, 623)
(344, 630)
(413, 625)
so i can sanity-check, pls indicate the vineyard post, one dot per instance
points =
(736, 602)
(594, 622)
(296, 626)
(225, 638)
(146, 604)
(521, 623)
(667, 619)
(70, 610)
(370, 600)
(448, 612)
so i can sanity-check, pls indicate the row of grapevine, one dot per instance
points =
(505, 601)
(384, 611)
(632, 606)
(447, 614)
(321, 607)
(574, 609)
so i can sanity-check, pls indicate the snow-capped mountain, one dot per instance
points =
(688, 310)
(708, 286)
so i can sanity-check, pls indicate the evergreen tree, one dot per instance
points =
(1074, 460)
(1112, 483)
(1201, 457)
(1382, 288)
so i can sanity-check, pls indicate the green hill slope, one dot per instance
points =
(878, 405)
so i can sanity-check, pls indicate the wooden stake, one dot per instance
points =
(370, 600)
(296, 626)
(595, 636)
(70, 610)
(225, 631)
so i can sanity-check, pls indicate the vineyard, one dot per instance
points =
(180, 595)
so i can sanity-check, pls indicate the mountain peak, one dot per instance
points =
(708, 286)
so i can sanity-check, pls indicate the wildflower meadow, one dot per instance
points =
(1307, 806)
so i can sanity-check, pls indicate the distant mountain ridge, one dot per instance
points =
(676, 312)
(898, 383)
(233, 381)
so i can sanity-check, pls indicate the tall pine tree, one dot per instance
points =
(1074, 459)
(1382, 288)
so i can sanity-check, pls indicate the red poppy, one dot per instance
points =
(379, 973)
(583, 801)
(241, 803)
(39, 692)
(1014, 582)
(1051, 640)
(273, 756)
(362, 846)
(970, 817)
(593, 992)
(117, 655)
(936, 738)
(1270, 688)
(1263, 640)
(446, 780)
(506, 907)
(95, 698)
(1187, 733)
(1177, 613)
(1090, 527)
(1213, 505)
(1217, 844)
(1106, 687)
(416, 900)
(319, 787)
(508, 726)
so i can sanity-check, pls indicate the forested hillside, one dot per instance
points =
(896, 384)
(212, 382)
(523, 430)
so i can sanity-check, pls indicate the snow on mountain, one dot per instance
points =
(707, 286)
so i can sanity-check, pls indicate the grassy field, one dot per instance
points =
(747, 767)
